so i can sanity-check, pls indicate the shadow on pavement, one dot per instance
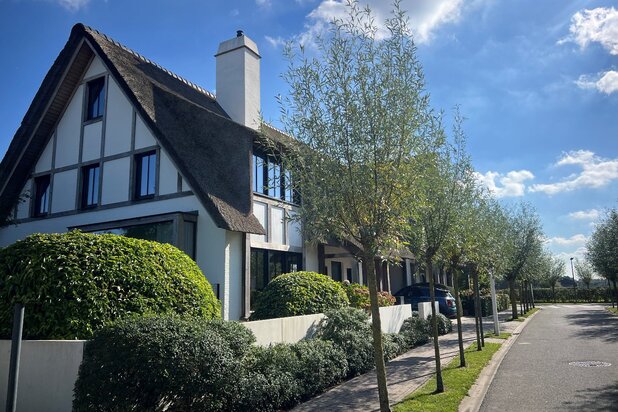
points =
(595, 325)
(602, 399)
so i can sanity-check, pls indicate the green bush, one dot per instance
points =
(321, 365)
(566, 295)
(74, 283)
(394, 344)
(467, 301)
(161, 364)
(445, 325)
(299, 293)
(416, 331)
(349, 329)
(358, 295)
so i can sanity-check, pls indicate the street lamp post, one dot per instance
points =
(574, 284)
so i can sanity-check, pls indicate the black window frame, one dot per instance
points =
(40, 195)
(271, 179)
(267, 264)
(86, 201)
(95, 105)
(138, 162)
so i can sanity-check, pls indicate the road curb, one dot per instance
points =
(476, 394)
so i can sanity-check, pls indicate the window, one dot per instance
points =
(335, 271)
(41, 195)
(266, 264)
(95, 98)
(145, 175)
(271, 179)
(90, 186)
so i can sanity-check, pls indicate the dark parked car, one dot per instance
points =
(419, 292)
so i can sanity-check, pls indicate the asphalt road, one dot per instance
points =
(535, 375)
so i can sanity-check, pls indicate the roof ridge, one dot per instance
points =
(146, 60)
(277, 129)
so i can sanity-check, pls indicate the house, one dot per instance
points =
(114, 143)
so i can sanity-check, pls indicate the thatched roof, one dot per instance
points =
(212, 152)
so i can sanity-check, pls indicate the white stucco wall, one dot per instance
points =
(91, 145)
(310, 255)
(116, 178)
(45, 160)
(119, 120)
(143, 137)
(68, 131)
(96, 68)
(64, 198)
(168, 175)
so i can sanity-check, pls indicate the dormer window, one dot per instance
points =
(95, 98)
(41, 196)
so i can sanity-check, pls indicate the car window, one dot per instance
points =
(440, 293)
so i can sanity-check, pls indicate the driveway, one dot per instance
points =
(538, 373)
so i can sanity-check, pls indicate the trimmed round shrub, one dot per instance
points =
(349, 329)
(74, 283)
(299, 293)
(395, 344)
(416, 331)
(358, 295)
(445, 325)
(162, 363)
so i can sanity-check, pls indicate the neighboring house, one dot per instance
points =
(114, 143)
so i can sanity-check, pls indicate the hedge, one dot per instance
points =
(74, 283)
(358, 296)
(565, 295)
(299, 293)
(467, 301)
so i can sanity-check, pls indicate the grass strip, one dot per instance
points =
(457, 383)
(613, 310)
(502, 335)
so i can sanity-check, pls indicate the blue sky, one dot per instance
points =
(536, 80)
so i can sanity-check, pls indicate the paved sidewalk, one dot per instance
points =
(403, 374)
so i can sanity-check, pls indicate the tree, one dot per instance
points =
(554, 274)
(447, 181)
(524, 235)
(602, 248)
(585, 272)
(358, 112)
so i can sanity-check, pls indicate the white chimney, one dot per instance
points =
(238, 79)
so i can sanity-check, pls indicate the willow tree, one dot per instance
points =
(585, 272)
(357, 107)
(602, 249)
(554, 272)
(525, 235)
(443, 176)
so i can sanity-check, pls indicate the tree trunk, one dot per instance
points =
(513, 299)
(376, 329)
(553, 292)
(434, 324)
(532, 296)
(478, 312)
(521, 299)
(462, 358)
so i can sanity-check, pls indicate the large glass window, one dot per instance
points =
(41, 195)
(90, 186)
(271, 179)
(145, 174)
(266, 264)
(95, 98)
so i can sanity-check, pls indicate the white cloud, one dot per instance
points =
(591, 214)
(263, 3)
(234, 12)
(598, 25)
(275, 41)
(510, 185)
(72, 5)
(596, 172)
(426, 16)
(575, 240)
(606, 82)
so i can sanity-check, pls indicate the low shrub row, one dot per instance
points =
(565, 295)
(175, 364)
